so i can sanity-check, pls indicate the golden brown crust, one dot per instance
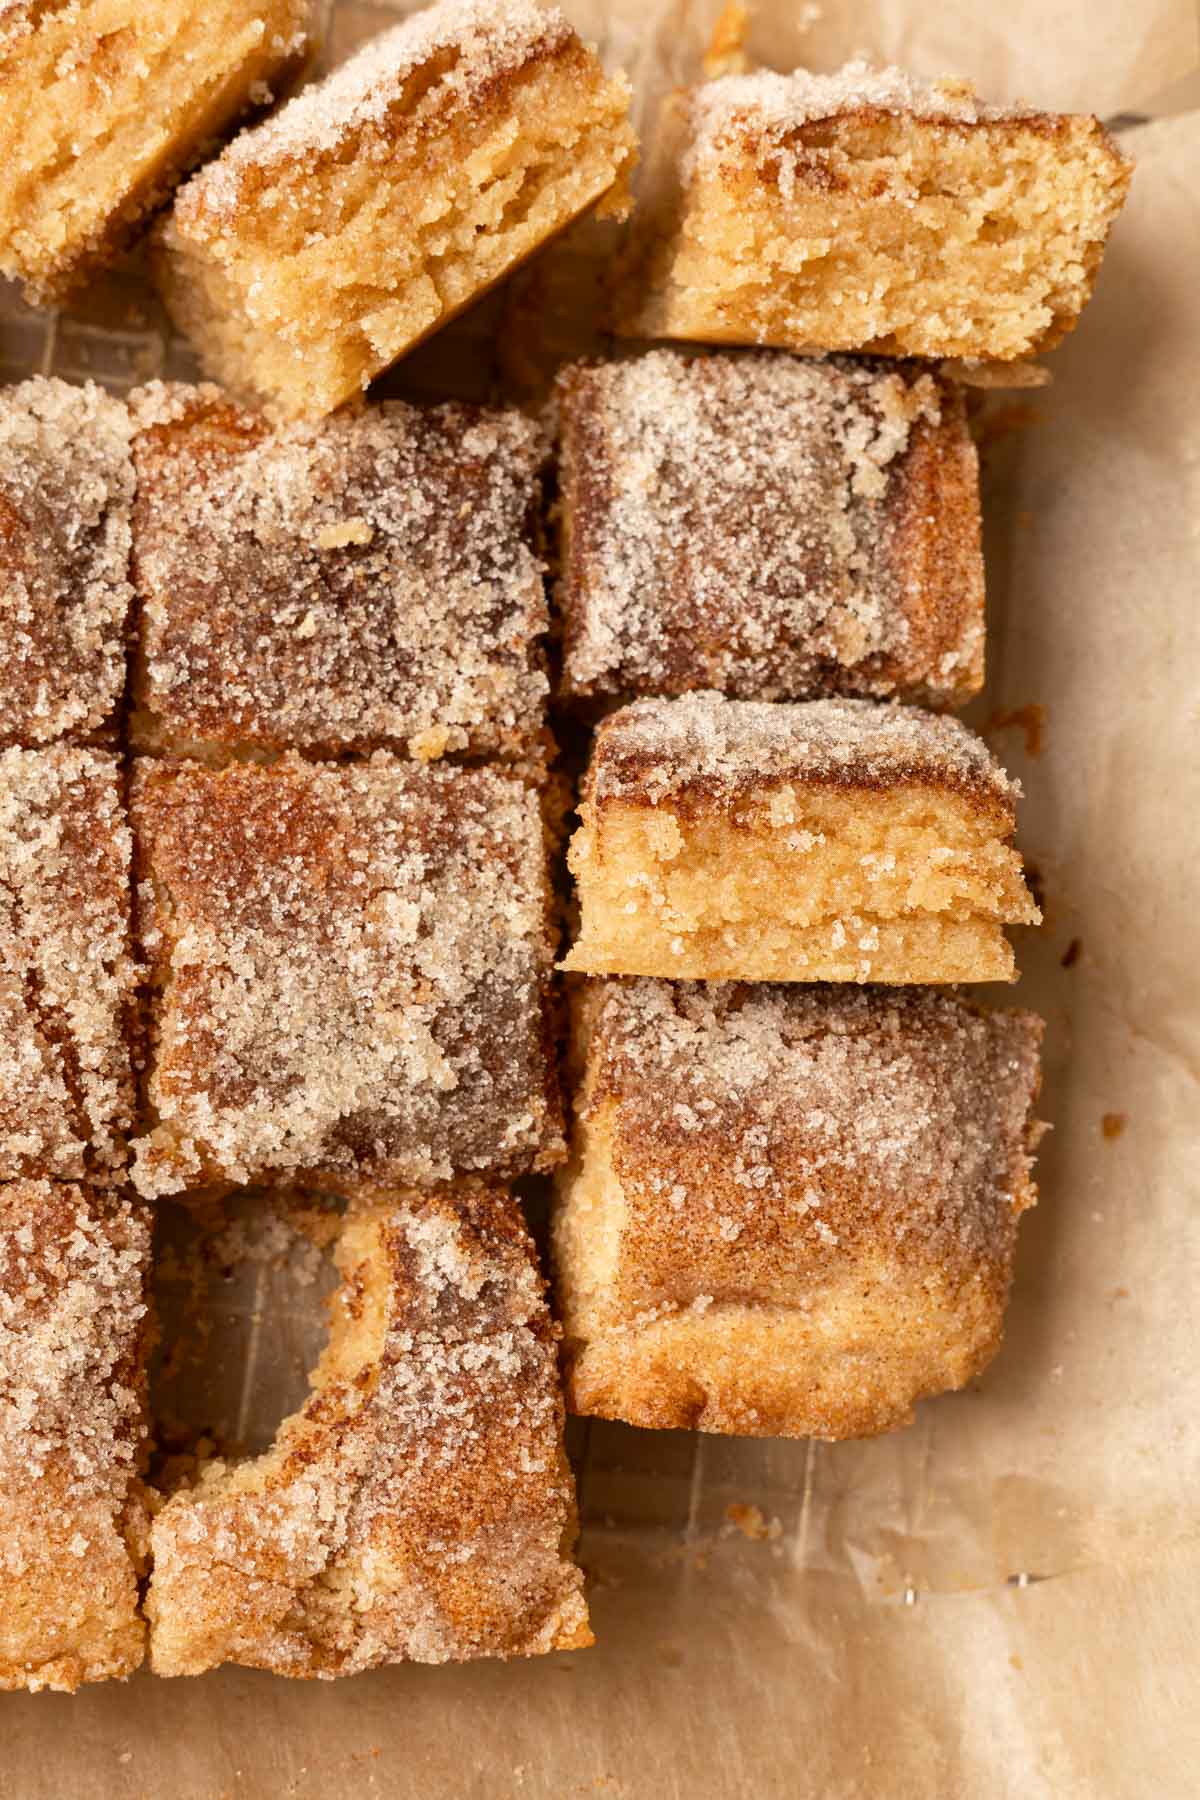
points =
(790, 1210)
(420, 1506)
(366, 582)
(350, 967)
(773, 528)
(73, 1342)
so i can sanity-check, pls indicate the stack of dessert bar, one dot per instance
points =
(277, 805)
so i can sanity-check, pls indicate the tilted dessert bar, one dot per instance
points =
(73, 1513)
(67, 976)
(367, 581)
(773, 528)
(349, 968)
(867, 210)
(376, 205)
(790, 1211)
(107, 102)
(66, 489)
(419, 1507)
(827, 840)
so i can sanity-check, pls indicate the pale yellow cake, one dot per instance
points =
(73, 1514)
(419, 1507)
(823, 840)
(868, 210)
(790, 1211)
(107, 102)
(328, 241)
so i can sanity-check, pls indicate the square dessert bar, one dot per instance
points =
(866, 210)
(67, 976)
(328, 241)
(827, 840)
(790, 1211)
(73, 1513)
(66, 489)
(773, 528)
(107, 102)
(349, 970)
(366, 581)
(419, 1507)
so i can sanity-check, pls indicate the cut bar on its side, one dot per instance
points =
(419, 1507)
(774, 528)
(73, 1512)
(328, 241)
(66, 489)
(866, 210)
(366, 582)
(108, 102)
(790, 1212)
(828, 840)
(349, 970)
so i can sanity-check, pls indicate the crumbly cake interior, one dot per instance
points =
(366, 581)
(419, 1507)
(349, 969)
(867, 211)
(73, 1335)
(831, 840)
(66, 971)
(789, 1210)
(380, 202)
(66, 487)
(773, 528)
(108, 101)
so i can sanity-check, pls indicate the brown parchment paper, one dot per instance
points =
(1001, 1601)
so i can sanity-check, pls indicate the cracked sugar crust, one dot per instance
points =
(702, 751)
(67, 976)
(73, 1331)
(419, 1507)
(368, 580)
(771, 527)
(66, 489)
(350, 974)
(765, 1135)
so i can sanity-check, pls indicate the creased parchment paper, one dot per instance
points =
(1003, 1600)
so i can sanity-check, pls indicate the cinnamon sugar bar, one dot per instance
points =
(419, 1506)
(66, 489)
(363, 582)
(826, 840)
(349, 968)
(790, 1211)
(108, 102)
(773, 528)
(67, 976)
(328, 241)
(868, 210)
(73, 1513)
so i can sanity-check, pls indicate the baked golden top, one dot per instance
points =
(66, 973)
(772, 527)
(369, 579)
(351, 965)
(66, 487)
(702, 751)
(765, 1136)
(419, 1506)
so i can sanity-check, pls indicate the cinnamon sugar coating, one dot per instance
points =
(774, 528)
(367, 581)
(790, 1211)
(66, 969)
(73, 1516)
(419, 1507)
(66, 488)
(350, 971)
